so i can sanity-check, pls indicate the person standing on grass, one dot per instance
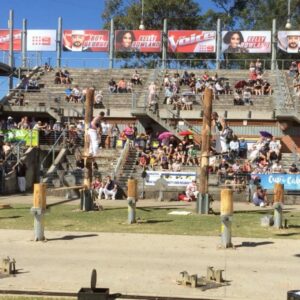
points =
(21, 169)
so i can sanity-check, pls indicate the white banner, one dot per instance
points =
(172, 178)
(246, 41)
(289, 41)
(41, 40)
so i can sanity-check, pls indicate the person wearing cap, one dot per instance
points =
(293, 169)
(191, 191)
(93, 134)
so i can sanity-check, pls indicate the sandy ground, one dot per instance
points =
(149, 264)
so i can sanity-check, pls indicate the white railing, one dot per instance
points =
(122, 159)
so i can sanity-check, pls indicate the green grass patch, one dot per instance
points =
(151, 220)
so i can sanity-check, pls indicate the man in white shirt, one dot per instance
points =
(191, 191)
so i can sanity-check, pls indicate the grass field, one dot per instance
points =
(151, 220)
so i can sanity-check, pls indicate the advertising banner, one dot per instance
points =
(29, 137)
(4, 40)
(289, 41)
(138, 41)
(86, 40)
(246, 41)
(41, 40)
(172, 178)
(191, 41)
(290, 181)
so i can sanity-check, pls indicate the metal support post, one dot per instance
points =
(274, 38)
(58, 41)
(278, 205)
(131, 200)
(38, 210)
(226, 212)
(218, 45)
(24, 43)
(11, 47)
(111, 44)
(164, 44)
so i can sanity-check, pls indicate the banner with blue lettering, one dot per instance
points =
(290, 181)
(172, 178)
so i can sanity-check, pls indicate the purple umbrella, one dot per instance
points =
(266, 134)
(165, 135)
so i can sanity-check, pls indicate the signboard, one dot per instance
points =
(138, 41)
(172, 178)
(29, 137)
(246, 41)
(4, 40)
(191, 41)
(290, 181)
(86, 40)
(41, 40)
(289, 41)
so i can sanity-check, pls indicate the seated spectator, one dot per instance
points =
(258, 66)
(293, 70)
(152, 93)
(47, 67)
(234, 147)
(176, 166)
(59, 77)
(75, 94)
(33, 85)
(112, 86)
(192, 155)
(67, 77)
(237, 99)
(227, 88)
(110, 189)
(136, 78)
(273, 149)
(267, 89)
(98, 98)
(260, 197)
(192, 191)
(293, 169)
(252, 67)
(219, 88)
(98, 187)
(187, 102)
(122, 86)
(185, 79)
(129, 87)
(20, 100)
(247, 96)
(243, 148)
(153, 161)
(276, 167)
(258, 88)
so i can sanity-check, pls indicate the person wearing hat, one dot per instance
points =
(293, 169)
(192, 191)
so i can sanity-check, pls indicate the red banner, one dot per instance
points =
(138, 40)
(191, 41)
(86, 40)
(4, 40)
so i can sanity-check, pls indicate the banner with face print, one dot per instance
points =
(41, 40)
(289, 41)
(138, 41)
(86, 40)
(191, 41)
(246, 41)
(4, 40)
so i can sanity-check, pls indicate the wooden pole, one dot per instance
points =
(88, 173)
(39, 195)
(278, 192)
(226, 212)
(205, 149)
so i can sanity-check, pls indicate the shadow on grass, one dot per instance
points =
(297, 255)
(12, 217)
(288, 234)
(253, 244)
(72, 237)
(154, 221)
(294, 226)
(254, 211)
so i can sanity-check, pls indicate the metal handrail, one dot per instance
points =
(52, 149)
(121, 159)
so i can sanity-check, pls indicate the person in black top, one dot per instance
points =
(21, 169)
(110, 189)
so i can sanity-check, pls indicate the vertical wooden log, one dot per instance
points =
(39, 195)
(226, 202)
(87, 121)
(278, 192)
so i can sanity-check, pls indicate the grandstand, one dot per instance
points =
(277, 113)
